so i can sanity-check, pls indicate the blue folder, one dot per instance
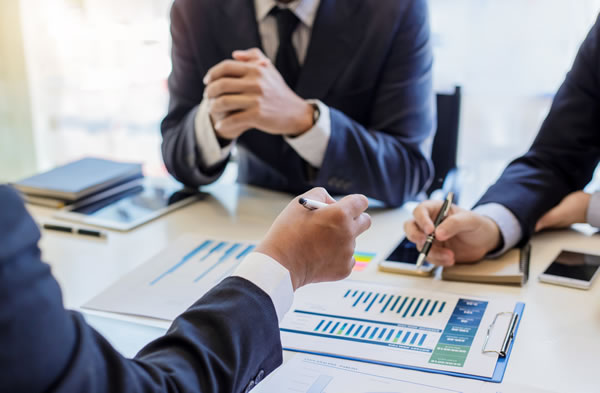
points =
(496, 377)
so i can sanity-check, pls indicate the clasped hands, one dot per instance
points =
(248, 92)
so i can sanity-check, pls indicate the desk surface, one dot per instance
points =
(559, 336)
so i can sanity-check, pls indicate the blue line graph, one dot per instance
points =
(183, 260)
(220, 261)
(209, 256)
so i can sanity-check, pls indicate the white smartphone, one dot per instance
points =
(572, 269)
(404, 260)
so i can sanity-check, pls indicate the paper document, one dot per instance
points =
(390, 325)
(172, 281)
(317, 374)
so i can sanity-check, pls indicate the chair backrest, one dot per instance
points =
(445, 143)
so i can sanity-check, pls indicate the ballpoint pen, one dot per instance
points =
(75, 230)
(438, 220)
(311, 204)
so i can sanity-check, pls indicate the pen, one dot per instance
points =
(310, 204)
(77, 231)
(438, 220)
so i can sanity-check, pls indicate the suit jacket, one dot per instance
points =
(370, 61)
(225, 342)
(565, 152)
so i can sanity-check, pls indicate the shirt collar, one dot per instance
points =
(305, 10)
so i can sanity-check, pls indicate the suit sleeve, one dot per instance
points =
(565, 153)
(390, 154)
(225, 341)
(180, 150)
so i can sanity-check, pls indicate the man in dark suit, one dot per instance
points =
(541, 189)
(338, 95)
(226, 342)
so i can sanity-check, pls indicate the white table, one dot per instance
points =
(558, 343)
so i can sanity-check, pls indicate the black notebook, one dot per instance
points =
(79, 179)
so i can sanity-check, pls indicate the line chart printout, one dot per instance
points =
(395, 326)
(169, 283)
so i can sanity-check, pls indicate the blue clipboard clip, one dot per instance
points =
(508, 337)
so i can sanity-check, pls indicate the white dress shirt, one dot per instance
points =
(510, 228)
(270, 276)
(312, 144)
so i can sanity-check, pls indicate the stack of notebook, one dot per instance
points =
(80, 182)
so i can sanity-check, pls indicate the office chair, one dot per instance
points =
(445, 145)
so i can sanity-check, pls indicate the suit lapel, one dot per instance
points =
(335, 31)
(238, 30)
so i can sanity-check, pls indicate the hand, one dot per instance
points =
(248, 92)
(464, 236)
(571, 210)
(317, 245)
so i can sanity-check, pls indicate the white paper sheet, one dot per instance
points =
(317, 374)
(169, 283)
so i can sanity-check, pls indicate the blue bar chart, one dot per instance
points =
(402, 305)
(373, 333)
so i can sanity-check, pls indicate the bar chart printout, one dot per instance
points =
(386, 324)
(169, 283)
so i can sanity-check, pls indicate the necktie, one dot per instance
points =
(286, 60)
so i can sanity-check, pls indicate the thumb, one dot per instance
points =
(355, 204)
(319, 194)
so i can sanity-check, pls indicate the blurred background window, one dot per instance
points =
(88, 77)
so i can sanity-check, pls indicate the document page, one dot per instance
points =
(391, 325)
(172, 281)
(316, 374)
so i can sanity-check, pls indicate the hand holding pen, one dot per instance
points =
(317, 245)
(442, 214)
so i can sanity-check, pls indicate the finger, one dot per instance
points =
(458, 223)
(253, 54)
(424, 212)
(414, 233)
(542, 223)
(237, 120)
(362, 223)
(319, 194)
(227, 85)
(355, 204)
(549, 220)
(440, 256)
(232, 103)
(228, 68)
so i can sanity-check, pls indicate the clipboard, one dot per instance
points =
(508, 338)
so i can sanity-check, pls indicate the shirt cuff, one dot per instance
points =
(510, 229)
(593, 210)
(270, 276)
(210, 151)
(311, 145)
